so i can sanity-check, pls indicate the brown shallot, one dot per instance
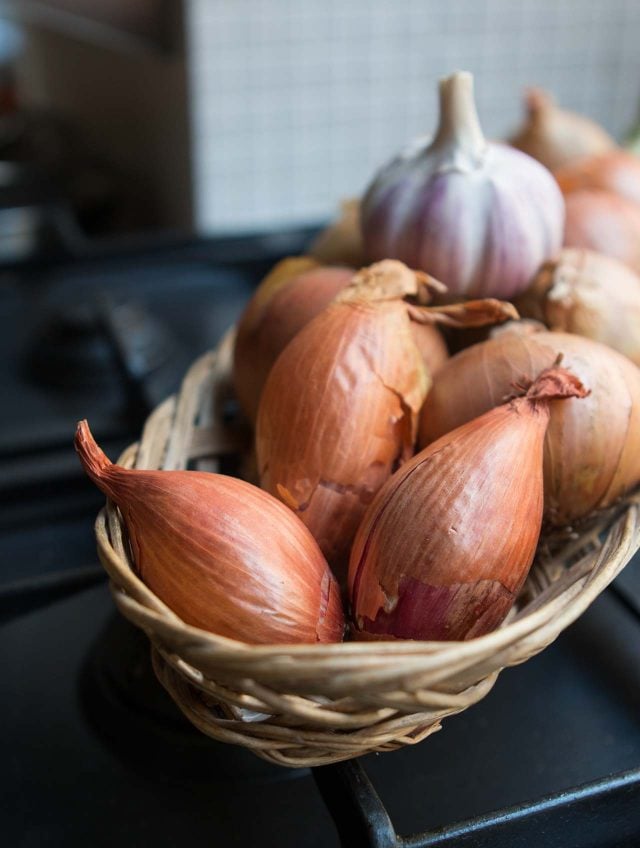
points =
(556, 136)
(592, 448)
(293, 293)
(589, 294)
(445, 547)
(339, 410)
(617, 171)
(222, 554)
(604, 222)
(341, 242)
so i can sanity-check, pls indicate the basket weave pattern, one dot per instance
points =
(309, 705)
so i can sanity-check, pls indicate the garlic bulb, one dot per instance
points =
(481, 217)
(556, 136)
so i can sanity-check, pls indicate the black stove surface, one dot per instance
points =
(76, 770)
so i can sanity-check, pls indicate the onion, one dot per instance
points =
(556, 136)
(592, 448)
(339, 410)
(222, 554)
(479, 216)
(617, 171)
(295, 291)
(341, 242)
(588, 294)
(604, 222)
(445, 547)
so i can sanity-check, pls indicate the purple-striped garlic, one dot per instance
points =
(478, 215)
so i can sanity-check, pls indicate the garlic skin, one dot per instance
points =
(480, 216)
(588, 294)
(222, 554)
(446, 545)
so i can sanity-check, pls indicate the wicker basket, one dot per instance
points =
(314, 704)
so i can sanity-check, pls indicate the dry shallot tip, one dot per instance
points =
(427, 287)
(555, 383)
(94, 461)
(389, 279)
(524, 383)
(473, 313)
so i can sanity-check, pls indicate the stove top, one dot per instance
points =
(86, 763)
(96, 754)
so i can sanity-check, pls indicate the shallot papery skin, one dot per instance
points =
(480, 216)
(293, 293)
(338, 414)
(220, 553)
(589, 294)
(616, 170)
(339, 410)
(556, 136)
(341, 242)
(445, 547)
(592, 446)
(604, 222)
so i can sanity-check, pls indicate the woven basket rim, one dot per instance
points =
(522, 625)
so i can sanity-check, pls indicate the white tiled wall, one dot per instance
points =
(296, 102)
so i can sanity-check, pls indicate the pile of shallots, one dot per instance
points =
(401, 490)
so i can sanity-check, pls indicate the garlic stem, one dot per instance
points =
(459, 133)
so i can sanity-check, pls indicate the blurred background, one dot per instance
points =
(227, 116)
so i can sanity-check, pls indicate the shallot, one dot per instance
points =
(445, 547)
(220, 553)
